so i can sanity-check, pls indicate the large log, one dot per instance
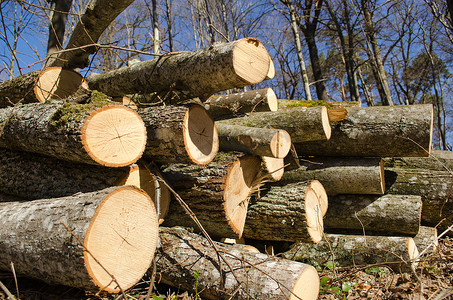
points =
(385, 131)
(118, 227)
(360, 250)
(258, 141)
(186, 75)
(435, 188)
(217, 193)
(245, 274)
(94, 133)
(52, 83)
(285, 213)
(183, 134)
(438, 160)
(397, 215)
(341, 175)
(238, 104)
(302, 123)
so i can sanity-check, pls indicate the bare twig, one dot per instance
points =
(7, 292)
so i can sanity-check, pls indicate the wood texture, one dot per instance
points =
(33, 238)
(110, 135)
(397, 215)
(183, 134)
(385, 131)
(187, 75)
(302, 123)
(285, 213)
(438, 160)
(254, 275)
(257, 141)
(341, 175)
(273, 168)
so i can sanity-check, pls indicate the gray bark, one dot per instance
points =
(18, 89)
(438, 160)
(59, 15)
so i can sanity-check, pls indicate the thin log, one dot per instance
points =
(33, 237)
(302, 123)
(257, 141)
(217, 193)
(52, 83)
(187, 75)
(94, 133)
(252, 275)
(397, 215)
(438, 160)
(238, 104)
(384, 131)
(183, 133)
(341, 175)
(285, 213)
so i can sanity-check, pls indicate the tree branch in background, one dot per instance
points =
(58, 15)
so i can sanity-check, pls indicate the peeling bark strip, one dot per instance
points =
(234, 105)
(112, 135)
(200, 73)
(252, 140)
(339, 175)
(180, 134)
(285, 213)
(360, 250)
(378, 215)
(385, 131)
(217, 193)
(302, 123)
(255, 275)
(32, 237)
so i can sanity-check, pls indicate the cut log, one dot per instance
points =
(257, 141)
(118, 227)
(182, 134)
(384, 131)
(397, 215)
(337, 114)
(358, 250)
(437, 161)
(109, 135)
(238, 104)
(271, 72)
(252, 275)
(341, 175)
(217, 193)
(52, 83)
(302, 123)
(435, 188)
(187, 75)
(321, 193)
(273, 168)
(285, 213)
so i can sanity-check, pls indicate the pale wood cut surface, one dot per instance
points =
(273, 168)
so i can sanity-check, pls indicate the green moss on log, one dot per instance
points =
(306, 103)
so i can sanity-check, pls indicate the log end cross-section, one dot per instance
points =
(121, 239)
(114, 136)
(307, 285)
(200, 135)
(250, 60)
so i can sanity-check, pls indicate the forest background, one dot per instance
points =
(394, 52)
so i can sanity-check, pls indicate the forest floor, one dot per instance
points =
(432, 279)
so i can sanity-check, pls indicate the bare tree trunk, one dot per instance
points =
(169, 24)
(156, 36)
(59, 13)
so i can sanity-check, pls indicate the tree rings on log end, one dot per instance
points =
(318, 188)
(275, 167)
(251, 61)
(57, 83)
(200, 135)
(307, 285)
(240, 183)
(325, 122)
(314, 216)
(114, 136)
(121, 238)
(280, 144)
(272, 100)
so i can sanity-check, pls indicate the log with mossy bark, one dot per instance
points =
(285, 213)
(185, 75)
(335, 112)
(240, 274)
(238, 104)
(385, 131)
(50, 84)
(93, 133)
(217, 193)
(374, 215)
(179, 133)
(117, 226)
(302, 123)
(360, 250)
(341, 175)
(435, 188)
(258, 141)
